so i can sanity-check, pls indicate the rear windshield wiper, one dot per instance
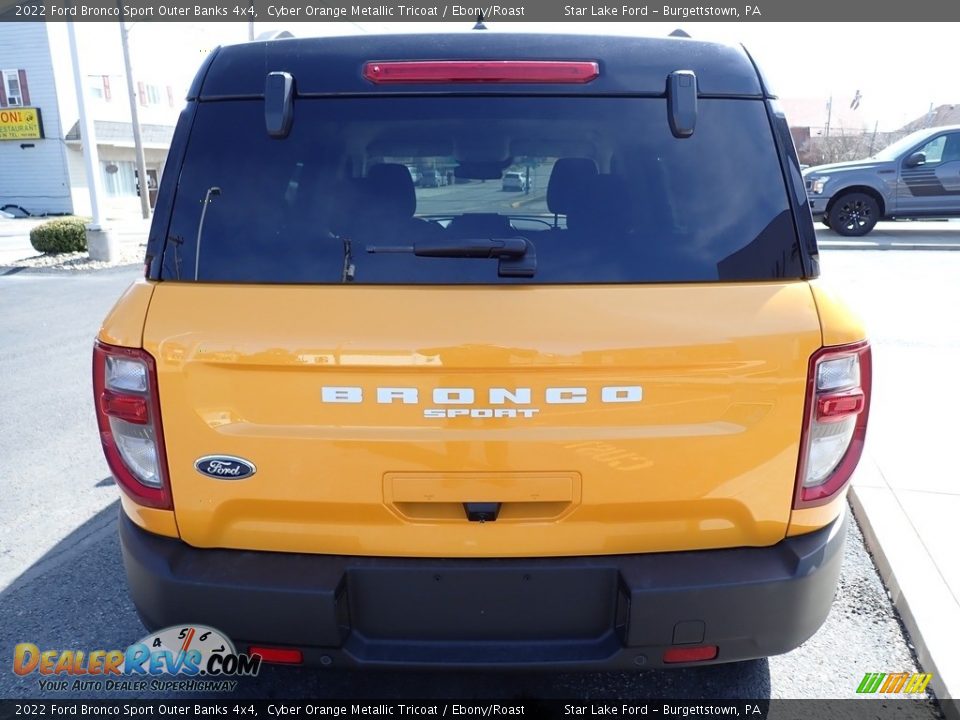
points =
(517, 255)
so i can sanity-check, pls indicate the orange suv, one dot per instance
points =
(606, 424)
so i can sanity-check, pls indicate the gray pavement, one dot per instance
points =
(62, 585)
(15, 239)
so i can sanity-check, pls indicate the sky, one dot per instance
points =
(898, 69)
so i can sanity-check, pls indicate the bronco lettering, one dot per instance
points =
(495, 396)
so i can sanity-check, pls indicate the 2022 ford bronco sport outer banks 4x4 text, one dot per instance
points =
(609, 424)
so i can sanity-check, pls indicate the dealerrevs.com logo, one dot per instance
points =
(183, 657)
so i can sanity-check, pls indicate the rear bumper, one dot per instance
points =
(590, 613)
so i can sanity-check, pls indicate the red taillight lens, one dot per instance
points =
(481, 71)
(834, 408)
(126, 407)
(282, 656)
(128, 415)
(690, 654)
(835, 421)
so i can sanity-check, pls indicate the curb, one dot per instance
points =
(843, 245)
(527, 200)
(912, 581)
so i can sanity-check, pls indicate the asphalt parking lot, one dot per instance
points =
(62, 585)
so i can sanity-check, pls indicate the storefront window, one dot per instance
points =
(119, 178)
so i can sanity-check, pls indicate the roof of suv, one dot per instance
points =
(330, 66)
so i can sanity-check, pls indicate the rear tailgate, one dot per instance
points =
(694, 444)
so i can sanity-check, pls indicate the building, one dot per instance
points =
(41, 146)
(936, 117)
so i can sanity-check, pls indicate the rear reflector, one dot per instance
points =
(690, 654)
(281, 656)
(131, 408)
(481, 71)
(833, 408)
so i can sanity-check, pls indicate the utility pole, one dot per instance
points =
(873, 139)
(826, 132)
(100, 245)
(135, 122)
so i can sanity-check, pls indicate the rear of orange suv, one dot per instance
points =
(606, 423)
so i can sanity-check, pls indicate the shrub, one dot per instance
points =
(60, 236)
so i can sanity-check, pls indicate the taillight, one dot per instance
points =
(835, 421)
(481, 71)
(128, 415)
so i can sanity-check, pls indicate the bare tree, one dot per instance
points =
(844, 145)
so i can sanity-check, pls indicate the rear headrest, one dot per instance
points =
(604, 206)
(566, 183)
(390, 189)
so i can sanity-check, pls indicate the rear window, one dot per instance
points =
(598, 188)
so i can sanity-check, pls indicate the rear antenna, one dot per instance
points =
(679, 32)
(211, 193)
(480, 25)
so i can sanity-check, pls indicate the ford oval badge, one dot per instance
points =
(225, 467)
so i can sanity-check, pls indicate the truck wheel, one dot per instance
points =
(854, 214)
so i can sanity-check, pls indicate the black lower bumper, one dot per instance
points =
(591, 613)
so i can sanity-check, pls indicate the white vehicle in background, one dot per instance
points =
(516, 182)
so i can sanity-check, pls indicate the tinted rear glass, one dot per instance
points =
(599, 188)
